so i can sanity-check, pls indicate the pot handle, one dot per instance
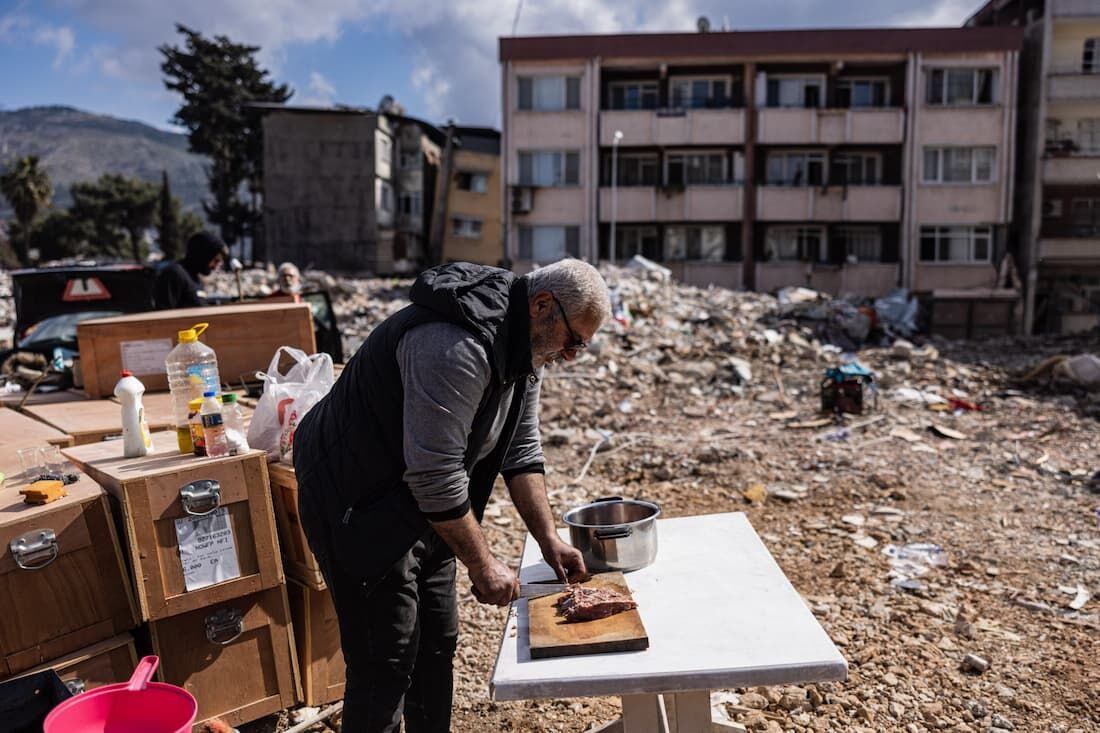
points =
(615, 533)
(143, 673)
(607, 498)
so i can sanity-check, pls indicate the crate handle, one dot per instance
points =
(224, 621)
(76, 686)
(29, 549)
(198, 493)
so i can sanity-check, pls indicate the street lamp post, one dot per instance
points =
(614, 192)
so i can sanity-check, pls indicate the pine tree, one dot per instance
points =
(168, 221)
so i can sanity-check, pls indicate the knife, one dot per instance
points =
(536, 590)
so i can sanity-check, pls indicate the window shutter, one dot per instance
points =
(572, 92)
(525, 92)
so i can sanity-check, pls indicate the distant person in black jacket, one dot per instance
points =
(177, 284)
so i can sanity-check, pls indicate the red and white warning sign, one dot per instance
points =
(85, 288)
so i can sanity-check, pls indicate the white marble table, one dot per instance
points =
(719, 613)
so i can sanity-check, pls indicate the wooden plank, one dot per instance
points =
(79, 598)
(90, 421)
(551, 636)
(148, 490)
(243, 679)
(297, 557)
(21, 431)
(245, 337)
(106, 663)
(18, 400)
(317, 633)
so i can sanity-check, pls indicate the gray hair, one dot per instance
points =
(577, 285)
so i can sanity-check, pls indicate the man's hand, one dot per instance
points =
(566, 560)
(494, 583)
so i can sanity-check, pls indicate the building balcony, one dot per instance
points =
(1065, 251)
(1076, 8)
(548, 130)
(870, 279)
(647, 204)
(1071, 169)
(779, 126)
(832, 203)
(978, 125)
(1072, 83)
(668, 128)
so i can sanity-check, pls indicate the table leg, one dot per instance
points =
(689, 712)
(643, 714)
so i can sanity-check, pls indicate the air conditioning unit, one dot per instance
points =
(523, 199)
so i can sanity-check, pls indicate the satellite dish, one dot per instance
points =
(703, 24)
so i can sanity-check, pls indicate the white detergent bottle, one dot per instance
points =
(136, 441)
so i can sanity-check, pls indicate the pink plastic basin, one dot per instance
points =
(137, 706)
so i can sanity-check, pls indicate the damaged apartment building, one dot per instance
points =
(847, 161)
(349, 189)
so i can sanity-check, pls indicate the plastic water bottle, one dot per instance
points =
(136, 441)
(194, 420)
(235, 433)
(192, 370)
(213, 426)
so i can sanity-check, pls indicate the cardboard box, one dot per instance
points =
(244, 337)
(106, 663)
(317, 635)
(236, 657)
(297, 557)
(63, 583)
(215, 511)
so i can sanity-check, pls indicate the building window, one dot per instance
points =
(475, 182)
(1088, 135)
(960, 87)
(794, 168)
(691, 169)
(796, 244)
(385, 149)
(385, 196)
(630, 241)
(1052, 208)
(958, 165)
(410, 159)
(695, 93)
(859, 244)
(549, 243)
(634, 170)
(549, 93)
(862, 93)
(956, 244)
(632, 95)
(857, 169)
(409, 203)
(795, 91)
(549, 168)
(695, 243)
(466, 228)
(1090, 57)
(1085, 217)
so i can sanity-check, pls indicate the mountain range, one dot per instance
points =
(76, 146)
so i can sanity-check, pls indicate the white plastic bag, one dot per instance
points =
(286, 398)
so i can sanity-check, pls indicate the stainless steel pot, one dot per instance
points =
(614, 533)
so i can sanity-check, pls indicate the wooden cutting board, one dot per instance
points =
(551, 636)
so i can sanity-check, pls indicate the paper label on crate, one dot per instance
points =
(207, 549)
(145, 357)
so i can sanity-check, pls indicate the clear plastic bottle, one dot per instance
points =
(213, 426)
(194, 421)
(136, 441)
(235, 433)
(192, 370)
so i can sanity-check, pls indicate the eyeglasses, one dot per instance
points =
(576, 343)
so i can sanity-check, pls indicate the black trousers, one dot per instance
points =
(398, 633)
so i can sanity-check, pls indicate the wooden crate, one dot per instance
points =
(236, 656)
(105, 663)
(53, 607)
(150, 494)
(297, 557)
(317, 634)
(245, 337)
(91, 421)
(22, 431)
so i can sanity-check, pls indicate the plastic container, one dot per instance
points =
(192, 370)
(194, 422)
(213, 426)
(137, 706)
(135, 430)
(235, 434)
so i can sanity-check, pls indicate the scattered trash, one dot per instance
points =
(908, 394)
(912, 561)
(946, 432)
(897, 312)
(974, 663)
(755, 494)
(842, 388)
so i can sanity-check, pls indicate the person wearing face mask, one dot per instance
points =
(178, 283)
(396, 464)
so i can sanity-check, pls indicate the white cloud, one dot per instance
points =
(61, 38)
(321, 91)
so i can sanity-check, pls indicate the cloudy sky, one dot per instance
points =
(437, 57)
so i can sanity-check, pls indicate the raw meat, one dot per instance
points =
(588, 604)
